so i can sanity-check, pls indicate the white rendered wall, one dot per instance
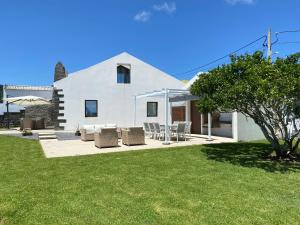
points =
(245, 129)
(224, 131)
(115, 101)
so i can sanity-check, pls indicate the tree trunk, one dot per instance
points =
(286, 150)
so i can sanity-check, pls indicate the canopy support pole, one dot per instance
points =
(209, 127)
(187, 111)
(167, 140)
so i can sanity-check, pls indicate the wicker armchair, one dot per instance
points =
(106, 137)
(87, 132)
(26, 123)
(39, 123)
(133, 136)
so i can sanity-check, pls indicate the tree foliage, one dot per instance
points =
(267, 92)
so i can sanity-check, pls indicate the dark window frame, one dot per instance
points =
(126, 81)
(87, 116)
(156, 109)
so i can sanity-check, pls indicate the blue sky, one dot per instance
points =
(174, 36)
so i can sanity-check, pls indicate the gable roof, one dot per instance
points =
(191, 81)
(121, 55)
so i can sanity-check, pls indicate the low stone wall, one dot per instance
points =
(14, 118)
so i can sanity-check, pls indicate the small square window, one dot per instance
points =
(152, 109)
(123, 75)
(91, 108)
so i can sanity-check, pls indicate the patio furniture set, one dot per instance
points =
(108, 135)
(178, 129)
(32, 123)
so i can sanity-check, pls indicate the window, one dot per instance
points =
(123, 75)
(151, 109)
(91, 108)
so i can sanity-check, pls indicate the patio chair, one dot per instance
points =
(147, 129)
(173, 127)
(26, 123)
(159, 131)
(106, 137)
(180, 131)
(188, 128)
(152, 129)
(39, 123)
(133, 136)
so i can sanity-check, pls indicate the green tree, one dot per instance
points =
(269, 93)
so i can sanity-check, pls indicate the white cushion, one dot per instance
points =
(98, 127)
(89, 129)
(111, 125)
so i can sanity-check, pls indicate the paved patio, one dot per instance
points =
(56, 148)
(67, 144)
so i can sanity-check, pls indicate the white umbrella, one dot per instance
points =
(27, 100)
(24, 101)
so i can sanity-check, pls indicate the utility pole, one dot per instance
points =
(270, 45)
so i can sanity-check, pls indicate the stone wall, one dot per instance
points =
(43, 111)
(55, 113)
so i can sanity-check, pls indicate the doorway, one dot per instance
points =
(195, 118)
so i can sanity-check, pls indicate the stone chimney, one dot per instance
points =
(59, 72)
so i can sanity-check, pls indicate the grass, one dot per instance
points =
(213, 184)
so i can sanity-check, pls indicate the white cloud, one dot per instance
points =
(142, 16)
(234, 2)
(166, 7)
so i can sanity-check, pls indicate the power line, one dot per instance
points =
(245, 46)
(262, 49)
(283, 32)
(223, 57)
(288, 42)
(288, 31)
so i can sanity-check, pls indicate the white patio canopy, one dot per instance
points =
(27, 100)
(24, 101)
(170, 95)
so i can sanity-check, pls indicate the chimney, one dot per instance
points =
(60, 72)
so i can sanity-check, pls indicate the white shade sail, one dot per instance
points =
(27, 100)
(174, 95)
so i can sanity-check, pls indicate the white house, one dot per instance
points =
(104, 93)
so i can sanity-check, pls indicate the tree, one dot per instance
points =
(267, 92)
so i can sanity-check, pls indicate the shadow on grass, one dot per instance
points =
(248, 155)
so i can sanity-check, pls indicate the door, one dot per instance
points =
(178, 113)
(195, 118)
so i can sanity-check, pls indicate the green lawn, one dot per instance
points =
(217, 184)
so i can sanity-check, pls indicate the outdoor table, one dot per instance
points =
(172, 127)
